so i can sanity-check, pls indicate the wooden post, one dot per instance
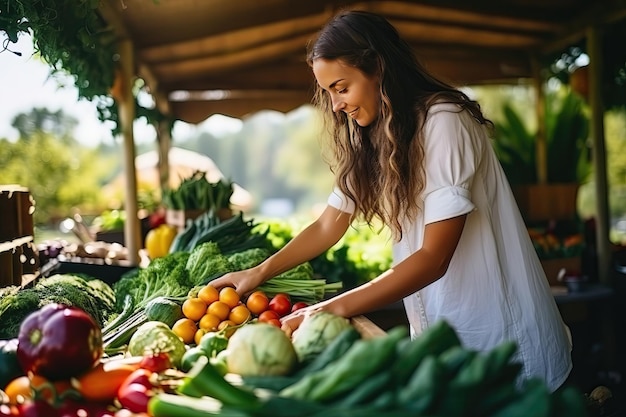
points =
(541, 148)
(604, 253)
(126, 105)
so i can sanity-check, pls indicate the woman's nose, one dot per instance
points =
(338, 104)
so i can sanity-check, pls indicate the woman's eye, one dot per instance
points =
(343, 90)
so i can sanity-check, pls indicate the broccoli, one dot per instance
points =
(165, 276)
(207, 262)
(69, 290)
(93, 295)
(13, 310)
(248, 258)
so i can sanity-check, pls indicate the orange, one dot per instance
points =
(209, 322)
(219, 309)
(186, 329)
(229, 326)
(257, 302)
(239, 314)
(208, 294)
(229, 296)
(194, 308)
(198, 335)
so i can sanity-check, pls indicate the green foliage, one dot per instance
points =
(567, 129)
(248, 258)
(206, 261)
(69, 35)
(163, 277)
(60, 175)
(88, 294)
(360, 255)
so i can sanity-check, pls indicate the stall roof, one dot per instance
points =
(236, 57)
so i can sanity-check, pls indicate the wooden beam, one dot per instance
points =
(444, 34)
(456, 16)
(238, 60)
(598, 15)
(233, 41)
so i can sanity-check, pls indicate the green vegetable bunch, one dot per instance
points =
(207, 262)
(92, 295)
(166, 276)
(390, 375)
(197, 193)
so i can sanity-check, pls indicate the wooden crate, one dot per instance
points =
(17, 252)
(552, 267)
(366, 327)
(541, 202)
(178, 218)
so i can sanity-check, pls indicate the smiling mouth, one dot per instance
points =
(353, 112)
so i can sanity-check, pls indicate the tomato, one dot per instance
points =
(298, 306)
(257, 302)
(281, 304)
(268, 315)
(156, 362)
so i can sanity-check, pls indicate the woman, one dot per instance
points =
(414, 152)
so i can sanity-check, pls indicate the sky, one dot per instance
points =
(25, 83)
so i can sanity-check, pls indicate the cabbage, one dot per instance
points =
(260, 349)
(315, 333)
(155, 336)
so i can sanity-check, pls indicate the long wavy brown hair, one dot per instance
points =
(380, 166)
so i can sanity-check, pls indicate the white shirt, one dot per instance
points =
(495, 288)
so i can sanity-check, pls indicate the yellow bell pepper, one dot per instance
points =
(159, 240)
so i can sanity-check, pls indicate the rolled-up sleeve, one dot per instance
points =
(340, 201)
(450, 162)
(446, 203)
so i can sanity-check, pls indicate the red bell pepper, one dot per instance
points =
(136, 391)
(59, 342)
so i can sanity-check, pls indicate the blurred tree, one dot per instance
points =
(39, 119)
(61, 175)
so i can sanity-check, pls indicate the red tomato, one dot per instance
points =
(298, 306)
(156, 362)
(281, 304)
(275, 322)
(268, 315)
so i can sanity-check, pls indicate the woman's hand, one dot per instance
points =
(244, 281)
(292, 321)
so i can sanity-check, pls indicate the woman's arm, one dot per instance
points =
(314, 240)
(423, 267)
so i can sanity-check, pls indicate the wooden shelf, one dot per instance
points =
(15, 243)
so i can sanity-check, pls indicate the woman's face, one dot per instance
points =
(351, 90)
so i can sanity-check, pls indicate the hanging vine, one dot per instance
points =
(69, 35)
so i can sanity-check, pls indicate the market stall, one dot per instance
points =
(161, 341)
